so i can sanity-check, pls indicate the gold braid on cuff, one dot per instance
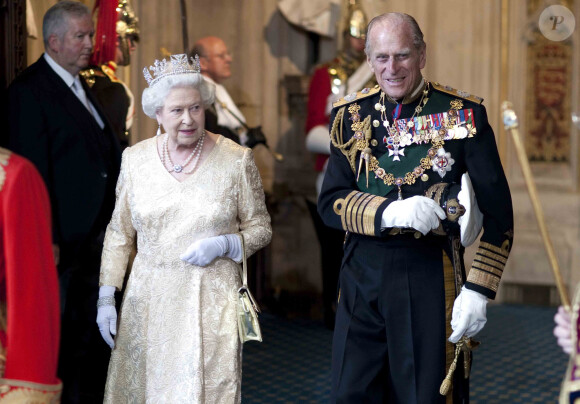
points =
(488, 265)
(357, 212)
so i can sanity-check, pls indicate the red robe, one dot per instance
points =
(28, 276)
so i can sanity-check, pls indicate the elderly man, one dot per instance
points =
(398, 156)
(57, 124)
(223, 116)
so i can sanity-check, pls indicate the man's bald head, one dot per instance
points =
(214, 58)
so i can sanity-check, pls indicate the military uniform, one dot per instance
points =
(114, 97)
(327, 79)
(397, 287)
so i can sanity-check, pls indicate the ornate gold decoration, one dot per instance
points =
(18, 392)
(364, 134)
(488, 266)
(457, 93)
(357, 212)
(425, 163)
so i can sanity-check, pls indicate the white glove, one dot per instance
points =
(107, 315)
(204, 251)
(563, 331)
(418, 212)
(471, 221)
(469, 314)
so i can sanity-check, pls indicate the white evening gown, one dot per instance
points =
(177, 339)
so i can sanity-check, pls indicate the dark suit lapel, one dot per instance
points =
(65, 95)
(107, 132)
(104, 138)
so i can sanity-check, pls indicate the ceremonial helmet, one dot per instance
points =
(356, 21)
(116, 21)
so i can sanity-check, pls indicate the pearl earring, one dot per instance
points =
(158, 129)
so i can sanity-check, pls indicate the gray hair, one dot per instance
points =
(153, 98)
(55, 21)
(399, 18)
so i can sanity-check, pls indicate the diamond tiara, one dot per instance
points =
(178, 64)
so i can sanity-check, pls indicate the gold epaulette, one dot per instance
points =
(110, 72)
(365, 92)
(457, 93)
(90, 74)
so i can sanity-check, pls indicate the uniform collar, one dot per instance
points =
(410, 98)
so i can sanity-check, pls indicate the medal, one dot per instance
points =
(442, 162)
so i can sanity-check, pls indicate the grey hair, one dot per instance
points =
(55, 21)
(153, 98)
(399, 18)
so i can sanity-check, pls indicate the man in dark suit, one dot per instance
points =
(56, 123)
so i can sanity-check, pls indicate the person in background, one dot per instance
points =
(223, 116)
(330, 81)
(58, 125)
(397, 183)
(29, 302)
(186, 198)
(117, 37)
(566, 331)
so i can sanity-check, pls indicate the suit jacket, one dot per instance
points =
(211, 124)
(78, 160)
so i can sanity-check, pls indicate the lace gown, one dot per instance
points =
(177, 338)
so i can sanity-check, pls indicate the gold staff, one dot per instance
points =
(510, 121)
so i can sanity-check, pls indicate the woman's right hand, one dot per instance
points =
(563, 329)
(107, 314)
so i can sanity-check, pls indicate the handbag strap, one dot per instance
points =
(244, 263)
(244, 289)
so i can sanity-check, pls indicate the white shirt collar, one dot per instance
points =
(58, 69)
(207, 78)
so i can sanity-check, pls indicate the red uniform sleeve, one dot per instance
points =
(32, 297)
(317, 97)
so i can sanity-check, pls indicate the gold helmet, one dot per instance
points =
(127, 29)
(128, 23)
(356, 20)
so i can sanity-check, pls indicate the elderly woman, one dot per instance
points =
(185, 197)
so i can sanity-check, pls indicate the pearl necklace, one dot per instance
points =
(179, 167)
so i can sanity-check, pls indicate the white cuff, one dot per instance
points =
(318, 140)
(234, 247)
(106, 290)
